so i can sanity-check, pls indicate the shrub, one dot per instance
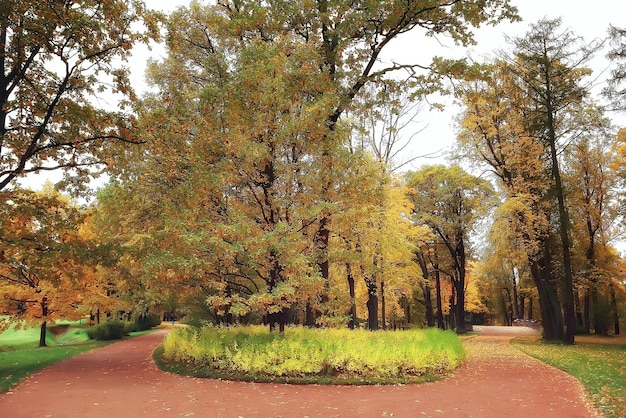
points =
(146, 322)
(110, 330)
(301, 352)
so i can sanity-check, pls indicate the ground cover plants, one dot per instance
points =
(599, 363)
(306, 355)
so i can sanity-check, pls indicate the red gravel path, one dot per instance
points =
(121, 380)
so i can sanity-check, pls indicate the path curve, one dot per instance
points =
(121, 380)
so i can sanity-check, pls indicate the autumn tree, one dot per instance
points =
(519, 119)
(549, 68)
(383, 118)
(593, 186)
(44, 267)
(450, 202)
(262, 88)
(58, 59)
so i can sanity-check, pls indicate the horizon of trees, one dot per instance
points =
(253, 184)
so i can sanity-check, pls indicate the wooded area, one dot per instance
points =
(258, 181)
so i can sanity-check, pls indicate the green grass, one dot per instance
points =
(20, 355)
(303, 355)
(599, 363)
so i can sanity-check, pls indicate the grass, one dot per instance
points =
(599, 363)
(20, 357)
(303, 355)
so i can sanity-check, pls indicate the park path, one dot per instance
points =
(121, 380)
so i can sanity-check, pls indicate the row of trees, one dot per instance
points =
(258, 189)
(531, 119)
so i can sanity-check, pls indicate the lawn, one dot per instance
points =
(599, 363)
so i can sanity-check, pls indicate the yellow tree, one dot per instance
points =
(544, 75)
(450, 202)
(262, 88)
(593, 189)
(43, 266)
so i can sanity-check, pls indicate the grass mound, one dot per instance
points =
(304, 355)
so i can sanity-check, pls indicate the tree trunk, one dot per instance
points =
(551, 315)
(587, 312)
(460, 285)
(44, 315)
(568, 281)
(428, 305)
(309, 319)
(440, 322)
(452, 310)
(505, 311)
(515, 304)
(615, 312)
(353, 322)
(372, 305)
(460, 312)
(382, 304)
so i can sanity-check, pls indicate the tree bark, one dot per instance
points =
(516, 307)
(440, 322)
(353, 322)
(382, 304)
(372, 305)
(615, 312)
(44, 315)
(551, 314)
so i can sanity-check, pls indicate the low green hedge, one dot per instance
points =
(110, 330)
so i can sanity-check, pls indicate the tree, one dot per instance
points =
(262, 88)
(43, 268)
(450, 202)
(615, 90)
(549, 69)
(58, 58)
(519, 119)
(593, 187)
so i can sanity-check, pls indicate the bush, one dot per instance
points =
(302, 352)
(146, 322)
(110, 330)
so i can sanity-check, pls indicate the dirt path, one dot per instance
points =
(121, 381)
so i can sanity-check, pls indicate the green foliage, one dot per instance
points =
(304, 352)
(145, 322)
(110, 330)
(599, 363)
